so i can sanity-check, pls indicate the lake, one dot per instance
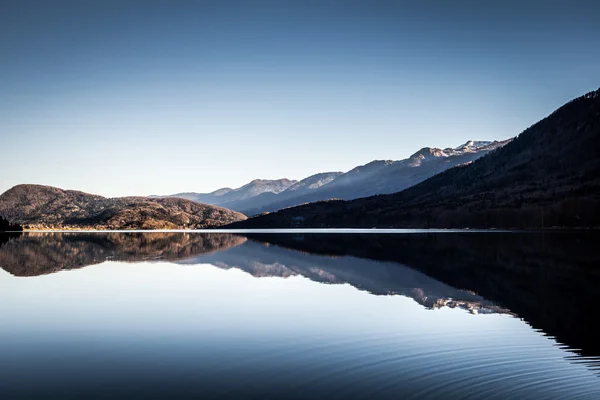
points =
(353, 314)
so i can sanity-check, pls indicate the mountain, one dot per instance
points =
(376, 177)
(226, 195)
(46, 207)
(199, 197)
(312, 182)
(268, 200)
(548, 176)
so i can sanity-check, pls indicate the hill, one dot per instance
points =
(548, 176)
(46, 207)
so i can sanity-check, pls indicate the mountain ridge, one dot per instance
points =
(549, 175)
(380, 176)
(222, 196)
(374, 177)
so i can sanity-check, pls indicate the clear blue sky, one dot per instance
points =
(156, 97)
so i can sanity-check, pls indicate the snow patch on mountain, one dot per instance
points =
(472, 146)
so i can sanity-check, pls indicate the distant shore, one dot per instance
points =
(309, 230)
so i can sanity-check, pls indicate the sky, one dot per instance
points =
(158, 97)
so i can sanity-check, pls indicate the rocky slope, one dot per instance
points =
(548, 176)
(45, 207)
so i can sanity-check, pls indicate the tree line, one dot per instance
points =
(6, 225)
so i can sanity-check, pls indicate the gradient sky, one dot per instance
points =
(157, 97)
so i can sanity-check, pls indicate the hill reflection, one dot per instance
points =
(32, 254)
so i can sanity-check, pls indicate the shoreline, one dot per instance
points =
(315, 230)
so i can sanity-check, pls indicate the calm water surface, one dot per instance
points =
(299, 315)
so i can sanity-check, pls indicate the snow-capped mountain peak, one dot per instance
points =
(472, 145)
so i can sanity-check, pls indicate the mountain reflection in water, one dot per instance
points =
(549, 280)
